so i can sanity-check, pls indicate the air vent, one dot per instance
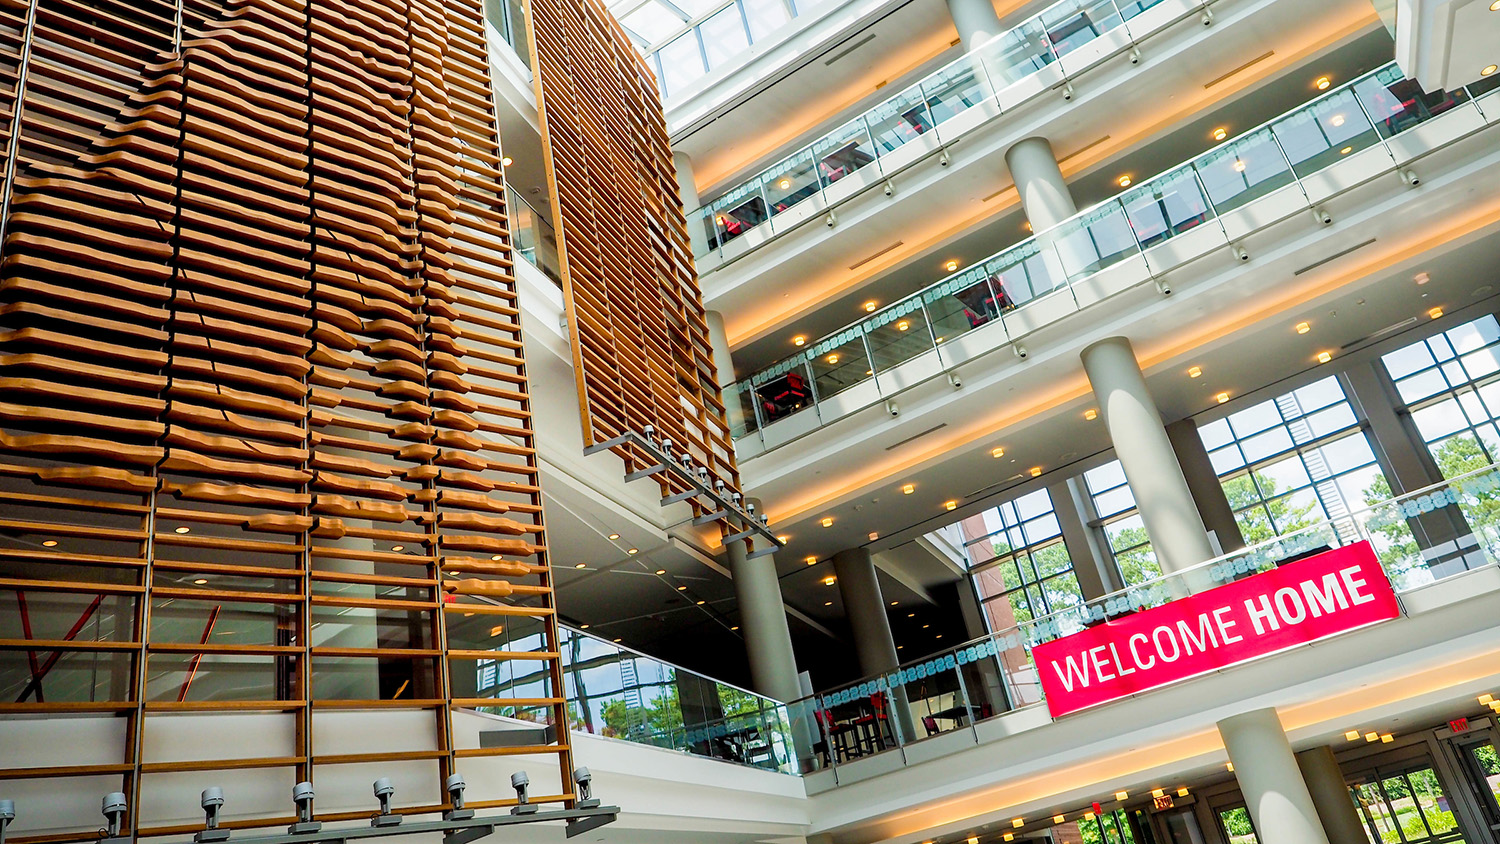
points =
(849, 49)
(860, 263)
(994, 486)
(1389, 329)
(1334, 257)
(916, 436)
(1255, 61)
(1083, 149)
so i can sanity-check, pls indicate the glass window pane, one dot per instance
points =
(765, 16)
(681, 62)
(724, 36)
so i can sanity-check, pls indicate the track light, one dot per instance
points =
(455, 785)
(383, 792)
(585, 782)
(212, 800)
(302, 795)
(519, 781)
(114, 815)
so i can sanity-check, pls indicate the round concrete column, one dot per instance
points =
(1044, 195)
(1330, 793)
(975, 21)
(768, 641)
(865, 608)
(718, 341)
(1271, 782)
(1156, 480)
(687, 190)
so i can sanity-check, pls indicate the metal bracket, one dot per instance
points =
(454, 831)
(645, 473)
(761, 552)
(710, 517)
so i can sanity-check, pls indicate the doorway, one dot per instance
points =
(1476, 760)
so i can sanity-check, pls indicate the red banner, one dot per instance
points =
(1300, 602)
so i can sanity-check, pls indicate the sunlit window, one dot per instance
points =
(1120, 520)
(1020, 565)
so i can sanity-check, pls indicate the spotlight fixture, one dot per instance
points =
(114, 814)
(211, 800)
(520, 782)
(1489, 70)
(869, 307)
(997, 452)
(1124, 181)
(1324, 357)
(1220, 133)
(827, 521)
(1091, 414)
(1221, 398)
(1195, 371)
(950, 505)
(1303, 328)
(1323, 83)
(1435, 313)
(799, 340)
(302, 795)
(383, 792)
(908, 489)
(951, 266)
(455, 785)
(585, 782)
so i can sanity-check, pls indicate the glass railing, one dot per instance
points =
(1363, 113)
(532, 236)
(615, 692)
(977, 78)
(1419, 539)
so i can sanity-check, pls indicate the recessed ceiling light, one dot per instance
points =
(950, 505)
(580, 565)
(1124, 181)
(895, 603)
(49, 543)
(701, 603)
(1221, 398)
(1018, 823)
(951, 266)
(997, 452)
(496, 557)
(1486, 699)
(736, 627)
(182, 529)
(911, 615)
(1324, 357)
(1303, 328)
(505, 162)
(661, 571)
(1009, 837)
(614, 536)
(829, 580)
(903, 325)
(619, 640)
(398, 547)
(869, 307)
(1036, 471)
(1122, 795)
(874, 535)
(1352, 735)
(1182, 792)
(1435, 312)
(811, 560)
(1091, 414)
(1220, 133)
(200, 581)
(1372, 737)
(799, 340)
(1489, 70)
(925, 626)
(1026, 226)
(1346, 150)
(1387, 738)
(1058, 819)
(827, 603)
(1195, 371)
(783, 539)
(827, 521)
(908, 489)
(834, 358)
(631, 552)
(1157, 792)
(583, 627)
(682, 589)
(938, 636)
(1495, 6)
(1323, 83)
(1423, 278)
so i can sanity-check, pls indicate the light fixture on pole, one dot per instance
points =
(302, 795)
(383, 792)
(212, 800)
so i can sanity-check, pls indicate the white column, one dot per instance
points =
(1330, 793)
(865, 608)
(975, 21)
(1044, 195)
(1270, 781)
(718, 341)
(768, 641)
(687, 189)
(1156, 480)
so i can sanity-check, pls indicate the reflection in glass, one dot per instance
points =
(791, 181)
(898, 334)
(843, 151)
(840, 362)
(1243, 170)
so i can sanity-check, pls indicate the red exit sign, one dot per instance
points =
(1459, 725)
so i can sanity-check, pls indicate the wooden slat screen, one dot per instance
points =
(640, 343)
(264, 421)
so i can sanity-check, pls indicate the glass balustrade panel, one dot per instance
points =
(961, 303)
(738, 212)
(898, 334)
(1396, 103)
(1074, 23)
(1243, 170)
(1324, 132)
(1166, 207)
(1093, 241)
(783, 390)
(791, 181)
(898, 120)
(953, 90)
(840, 362)
(844, 151)
(1016, 54)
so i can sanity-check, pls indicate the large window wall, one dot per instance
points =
(1294, 461)
(1019, 563)
(1450, 383)
(1120, 521)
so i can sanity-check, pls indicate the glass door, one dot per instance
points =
(1235, 823)
(1406, 805)
(1479, 766)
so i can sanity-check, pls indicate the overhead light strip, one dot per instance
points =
(916, 436)
(1255, 61)
(857, 264)
(1334, 257)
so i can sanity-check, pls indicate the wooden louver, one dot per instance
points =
(264, 423)
(640, 343)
